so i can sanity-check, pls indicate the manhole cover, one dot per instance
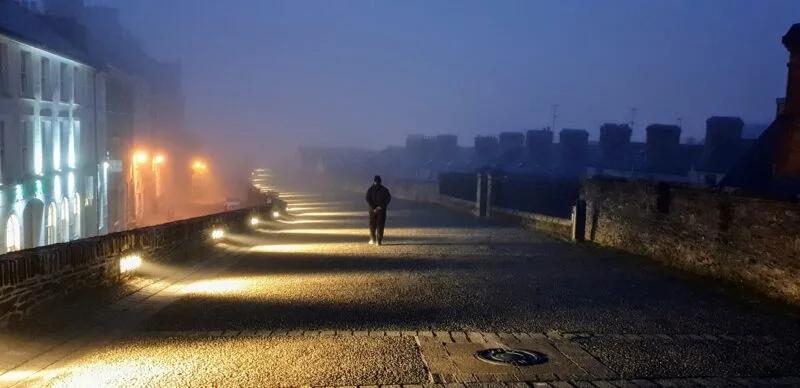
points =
(514, 357)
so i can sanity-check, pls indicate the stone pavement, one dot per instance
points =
(306, 302)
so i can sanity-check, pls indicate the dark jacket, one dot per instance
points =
(378, 195)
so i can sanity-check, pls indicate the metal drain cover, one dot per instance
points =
(515, 357)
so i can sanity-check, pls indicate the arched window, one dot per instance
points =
(50, 230)
(76, 217)
(64, 233)
(13, 234)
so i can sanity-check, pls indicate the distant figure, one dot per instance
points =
(378, 198)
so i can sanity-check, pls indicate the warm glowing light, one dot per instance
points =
(214, 287)
(129, 263)
(158, 159)
(140, 157)
(199, 166)
(254, 221)
(217, 234)
(276, 214)
(16, 375)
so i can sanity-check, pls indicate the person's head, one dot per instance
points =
(376, 180)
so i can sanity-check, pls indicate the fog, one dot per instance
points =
(262, 77)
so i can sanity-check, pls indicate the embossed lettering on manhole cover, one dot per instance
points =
(515, 357)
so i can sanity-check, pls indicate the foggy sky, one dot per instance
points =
(263, 76)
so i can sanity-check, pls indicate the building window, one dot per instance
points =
(75, 80)
(64, 220)
(64, 144)
(47, 91)
(73, 135)
(50, 229)
(61, 137)
(66, 89)
(25, 78)
(76, 217)
(3, 68)
(13, 234)
(25, 140)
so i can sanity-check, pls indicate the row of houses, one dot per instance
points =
(78, 96)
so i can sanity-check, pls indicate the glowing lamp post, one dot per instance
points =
(198, 168)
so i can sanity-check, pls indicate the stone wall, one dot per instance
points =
(554, 226)
(724, 234)
(32, 278)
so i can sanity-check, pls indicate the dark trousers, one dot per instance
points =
(377, 221)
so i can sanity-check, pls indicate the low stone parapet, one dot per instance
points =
(32, 278)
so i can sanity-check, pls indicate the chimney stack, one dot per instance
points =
(792, 43)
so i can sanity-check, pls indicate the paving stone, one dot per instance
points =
(459, 337)
(393, 333)
(425, 334)
(377, 333)
(264, 333)
(443, 336)
(475, 337)
(233, 333)
(409, 333)
(360, 333)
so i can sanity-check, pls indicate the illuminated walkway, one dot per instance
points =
(305, 301)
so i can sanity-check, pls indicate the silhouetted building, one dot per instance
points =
(446, 147)
(574, 151)
(615, 141)
(421, 148)
(539, 143)
(772, 164)
(511, 140)
(663, 149)
(486, 147)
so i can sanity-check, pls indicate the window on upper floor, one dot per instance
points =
(25, 141)
(66, 89)
(3, 68)
(47, 89)
(76, 73)
(64, 142)
(25, 86)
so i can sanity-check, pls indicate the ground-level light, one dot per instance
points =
(254, 221)
(276, 214)
(129, 263)
(217, 234)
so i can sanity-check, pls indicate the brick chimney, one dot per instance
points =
(792, 43)
(787, 144)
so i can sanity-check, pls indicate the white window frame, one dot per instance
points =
(25, 86)
(46, 78)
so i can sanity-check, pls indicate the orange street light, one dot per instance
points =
(199, 166)
(158, 159)
(140, 157)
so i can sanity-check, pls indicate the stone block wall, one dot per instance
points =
(724, 234)
(554, 226)
(32, 278)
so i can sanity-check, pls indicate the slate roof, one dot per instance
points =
(36, 30)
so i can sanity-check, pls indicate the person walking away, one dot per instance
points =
(378, 198)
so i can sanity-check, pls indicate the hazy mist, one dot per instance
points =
(262, 76)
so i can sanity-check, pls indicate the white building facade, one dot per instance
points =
(52, 137)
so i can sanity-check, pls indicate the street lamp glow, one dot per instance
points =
(140, 157)
(217, 234)
(129, 263)
(199, 166)
(276, 214)
(254, 221)
(158, 159)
